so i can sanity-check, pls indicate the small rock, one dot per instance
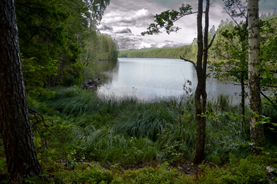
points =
(270, 169)
(92, 83)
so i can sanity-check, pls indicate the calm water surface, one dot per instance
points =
(148, 79)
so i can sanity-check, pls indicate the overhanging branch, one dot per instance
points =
(192, 62)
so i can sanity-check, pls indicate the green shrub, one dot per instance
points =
(247, 171)
(149, 175)
(91, 173)
(70, 81)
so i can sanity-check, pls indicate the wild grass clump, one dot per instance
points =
(178, 143)
(73, 101)
(146, 120)
(74, 129)
(105, 145)
(225, 132)
(128, 131)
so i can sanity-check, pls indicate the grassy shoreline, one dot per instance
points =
(139, 142)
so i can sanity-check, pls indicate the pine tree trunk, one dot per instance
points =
(14, 120)
(257, 131)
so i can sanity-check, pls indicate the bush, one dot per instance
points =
(70, 81)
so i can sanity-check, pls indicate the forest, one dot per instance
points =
(54, 131)
(156, 53)
(59, 43)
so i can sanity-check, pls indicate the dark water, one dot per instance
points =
(148, 79)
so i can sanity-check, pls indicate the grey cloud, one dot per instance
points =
(128, 42)
(128, 18)
(128, 5)
(127, 30)
(105, 28)
(136, 16)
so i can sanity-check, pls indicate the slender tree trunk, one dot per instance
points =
(257, 131)
(61, 69)
(242, 104)
(243, 60)
(243, 38)
(200, 93)
(14, 120)
(205, 60)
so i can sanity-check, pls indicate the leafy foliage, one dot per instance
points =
(166, 20)
(58, 40)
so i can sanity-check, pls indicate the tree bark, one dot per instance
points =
(200, 93)
(14, 120)
(257, 131)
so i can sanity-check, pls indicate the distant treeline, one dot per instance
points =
(221, 49)
(185, 51)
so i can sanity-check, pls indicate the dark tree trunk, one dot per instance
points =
(243, 60)
(14, 120)
(200, 93)
(242, 104)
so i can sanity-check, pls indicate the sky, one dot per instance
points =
(124, 20)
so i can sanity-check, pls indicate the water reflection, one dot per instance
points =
(103, 68)
(147, 79)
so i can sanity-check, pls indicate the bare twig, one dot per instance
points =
(35, 119)
(240, 10)
(210, 43)
(233, 18)
(273, 104)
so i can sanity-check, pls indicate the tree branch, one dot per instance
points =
(166, 20)
(210, 43)
(232, 18)
(242, 13)
(192, 62)
(274, 105)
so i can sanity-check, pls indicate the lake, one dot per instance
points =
(150, 79)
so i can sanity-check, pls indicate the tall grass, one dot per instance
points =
(128, 131)
(146, 120)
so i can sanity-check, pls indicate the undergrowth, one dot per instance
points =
(78, 132)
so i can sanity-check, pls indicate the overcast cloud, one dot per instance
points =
(124, 20)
